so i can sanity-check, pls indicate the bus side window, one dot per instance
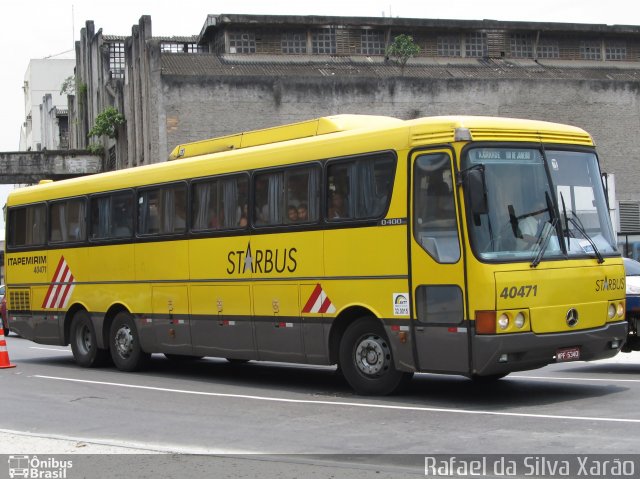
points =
(269, 199)
(67, 219)
(122, 215)
(360, 188)
(303, 194)
(26, 226)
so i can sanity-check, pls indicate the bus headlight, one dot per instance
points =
(503, 321)
(620, 310)
(612, 311)
(519, 320)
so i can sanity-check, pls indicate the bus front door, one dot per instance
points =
(437, 271)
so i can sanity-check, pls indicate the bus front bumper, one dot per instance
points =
(505, 353)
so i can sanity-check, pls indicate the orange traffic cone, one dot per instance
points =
(4, 354)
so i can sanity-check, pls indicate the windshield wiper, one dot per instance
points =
(543, 241)
(575, 221)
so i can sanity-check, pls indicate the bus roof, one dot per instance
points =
(304, 141)
(293, 131)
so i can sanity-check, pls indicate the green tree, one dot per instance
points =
(402, 49)
(107, 123)
(68, 86)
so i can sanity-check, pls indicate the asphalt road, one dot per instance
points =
(303, 421)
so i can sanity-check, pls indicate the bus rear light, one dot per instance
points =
(485, 322)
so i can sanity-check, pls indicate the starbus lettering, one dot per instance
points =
(27, 260)
(262, 260)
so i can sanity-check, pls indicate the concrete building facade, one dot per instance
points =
(244, 72)
(46, 124)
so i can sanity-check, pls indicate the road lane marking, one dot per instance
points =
(558, 378)
(344, 403)
(51, 349)
(138, 447)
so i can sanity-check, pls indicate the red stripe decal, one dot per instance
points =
(66, 289)
(312, 300)
(325, 305)
(52, 286)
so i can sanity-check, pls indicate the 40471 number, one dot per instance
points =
(512, 292)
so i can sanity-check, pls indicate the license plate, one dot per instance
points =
(567, 354)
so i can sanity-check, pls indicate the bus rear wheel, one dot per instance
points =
(366, 359)
(124, 344)
(84, 344)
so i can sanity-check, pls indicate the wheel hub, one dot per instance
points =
(372, 355)
(84, 339)
(124, 342)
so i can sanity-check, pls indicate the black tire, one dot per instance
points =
(6, 332)
(84, 343)
(182, 358)
(366, 359)
(124, 344)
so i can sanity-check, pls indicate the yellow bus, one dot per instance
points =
(460, 245)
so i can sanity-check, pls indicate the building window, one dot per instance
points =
(548, 49)
(590, 50)
(476, 44)
(371, 42)
(294, 43)
(521, 45)
(242, 43)
(323, 41)
(116, 59)
(449, 46)
(195, 48)
(171, 47)
(615, 51)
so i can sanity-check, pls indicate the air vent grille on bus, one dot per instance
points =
(483, 134)
(20, 300)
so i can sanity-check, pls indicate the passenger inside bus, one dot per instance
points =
(302, 213)
(292, 214)
(336, 207)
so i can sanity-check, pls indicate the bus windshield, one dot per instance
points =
(548, 204)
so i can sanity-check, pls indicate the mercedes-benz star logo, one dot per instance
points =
(572, 317)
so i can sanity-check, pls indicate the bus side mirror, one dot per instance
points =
(476, 192)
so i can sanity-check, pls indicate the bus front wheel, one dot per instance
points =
(366, 359)
(84, 344)
(124, 344)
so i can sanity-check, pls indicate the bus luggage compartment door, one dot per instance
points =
(171, 319)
